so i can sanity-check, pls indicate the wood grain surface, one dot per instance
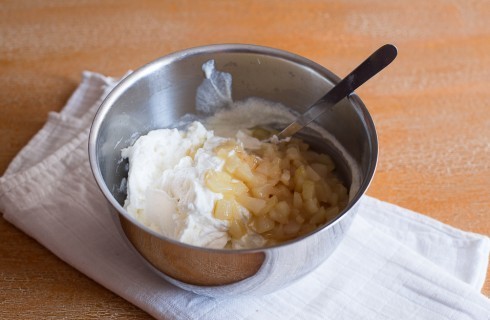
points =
(431, 107)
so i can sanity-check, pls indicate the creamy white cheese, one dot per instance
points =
(166, 186)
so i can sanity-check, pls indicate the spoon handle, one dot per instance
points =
(366, 70)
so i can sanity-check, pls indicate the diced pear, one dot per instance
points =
(311, 174)
(262, 224)
(244, 173)
(306, 228)
(310, 156)
(342, 203)
(218, 181)
(254, 160)
(264, 167)
(277, 233)
(292, 228)
(270, 203)
(285, 164)
(341, 190)
(275, 170)
(258, 179)
(293, 153)
(252, 204)
(300, 219)
(299, 178)
(237, 229)
(332, 212)
(238, 187)
(282, 192)
(232, 163)
(303, 147)
(222, 182)
(311, 205)
(250, 160)
(280, 212)
(325, 159)
(270, 168)
(297, 163)
(297, 200)
(308, 191)
(285, 177)
(226, 209)
(321, 169)
(322, 190)
(263, 192)
(289, 189)
(224, 149)
(269, 150)
(319, 217)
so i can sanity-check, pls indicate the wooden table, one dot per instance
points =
(432, 107)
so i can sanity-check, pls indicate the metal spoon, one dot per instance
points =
(366, 70)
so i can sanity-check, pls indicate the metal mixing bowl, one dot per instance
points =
(159, 93)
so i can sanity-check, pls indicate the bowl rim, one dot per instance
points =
(128, 80)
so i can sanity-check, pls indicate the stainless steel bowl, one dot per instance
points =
(159, 93)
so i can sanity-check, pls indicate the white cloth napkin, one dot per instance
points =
(393, 263)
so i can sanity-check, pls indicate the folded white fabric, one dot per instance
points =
(393, 263)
